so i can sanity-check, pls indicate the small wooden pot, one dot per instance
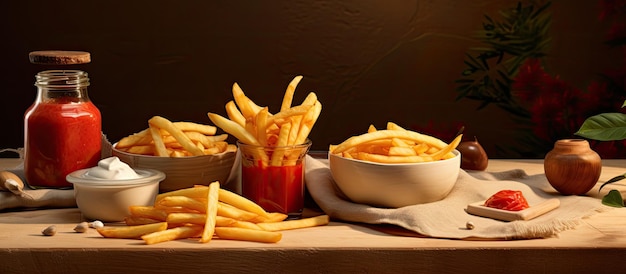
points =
(572, 167)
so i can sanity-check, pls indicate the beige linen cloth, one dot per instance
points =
(447, 218)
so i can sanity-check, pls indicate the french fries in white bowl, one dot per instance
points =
(395, 167)
(188, 153)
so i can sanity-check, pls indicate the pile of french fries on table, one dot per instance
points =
(206, 212)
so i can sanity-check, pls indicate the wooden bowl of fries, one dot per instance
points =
(188, 153)
(394, 185)
(183, 172)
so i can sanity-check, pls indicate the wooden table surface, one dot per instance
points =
(597, 245)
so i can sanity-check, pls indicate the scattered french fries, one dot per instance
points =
(255, 125)
(175, 139)
(395, 145)
(205, 213)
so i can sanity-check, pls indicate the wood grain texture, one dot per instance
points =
(336, 248)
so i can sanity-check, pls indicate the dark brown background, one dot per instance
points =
(368, 61)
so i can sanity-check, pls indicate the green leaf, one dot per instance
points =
(604, 127)
(613, 198)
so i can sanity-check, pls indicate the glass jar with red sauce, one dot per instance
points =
(62, 129)
(277, 186)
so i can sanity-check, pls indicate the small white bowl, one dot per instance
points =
(109, 200)
(395, 185)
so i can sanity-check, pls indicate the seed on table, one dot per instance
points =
(82, 227)
(49, 231)
(469, 225)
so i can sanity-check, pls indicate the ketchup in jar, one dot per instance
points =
(62, 129)
(275, 185)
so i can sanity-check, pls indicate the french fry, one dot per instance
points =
(234, 114)
(195, 127)
(232, 212)
(295, 224)
(148, 212)
(181, 232)
(384, 134)
(211, 212)
(371, 128)
(135, 220)
(198, 191)
(159, 145)
(141, 138)
(261, 126)
(181, 201)
(141, 149)
(186, 218)
(288, 96)
(248, 107)
(130, 232)
(308, 121)
(241, 202)
(233, 128)
(279, 153)
(243, 234)
(163, 123)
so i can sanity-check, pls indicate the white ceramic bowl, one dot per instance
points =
(395, 185)
(183, 172)
(108, 200)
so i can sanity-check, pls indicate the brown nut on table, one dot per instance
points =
(49, 231)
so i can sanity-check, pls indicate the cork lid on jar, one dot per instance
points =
(59, 57)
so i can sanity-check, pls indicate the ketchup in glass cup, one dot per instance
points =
(62, 129)
(277, 186)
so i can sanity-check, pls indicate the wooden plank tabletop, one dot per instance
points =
(338, 247)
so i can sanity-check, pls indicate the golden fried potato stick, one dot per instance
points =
(135, 220)
(198, 191)
(441, 154)
(447, 150)
(234, 114)
(295, 127)
(380, 158)
(181, 232)
(241, 202)
(279, 153)
(181, 201)
(233, 129)
(163, 123)
(388, 134)
(310, 99)
(308, 121)
(211, 212)
(261, 126)
(186, 218)
(371, 128)
(296, 224)
(272, 217)
(247, 107)
(148, 212)
(159, 146)
(291, 89)
(243, 234)
(394, 126)
(226, 210)
(191, 126)
(140, 138)
(141, 149)
(284, 115)
(401, 151)
(130, 232)
(196, 136)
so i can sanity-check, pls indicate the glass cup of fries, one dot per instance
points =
(273, 177)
